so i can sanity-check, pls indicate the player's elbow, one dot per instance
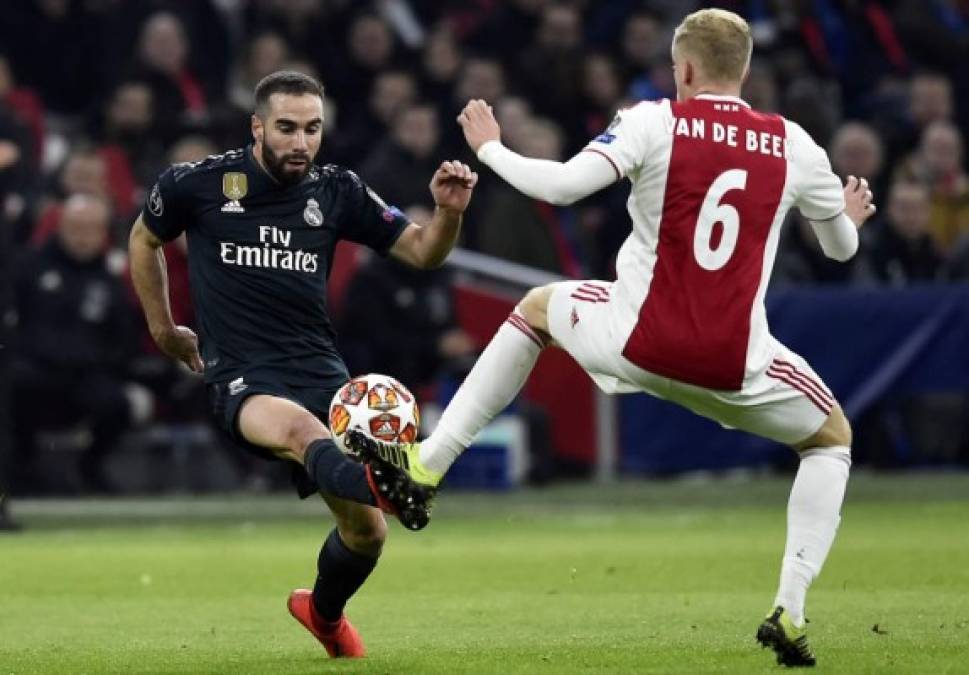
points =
(558, 189)
(560, 195)
(142, 238)
(843, 254)
(431, 262)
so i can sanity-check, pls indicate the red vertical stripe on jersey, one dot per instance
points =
(694, 324)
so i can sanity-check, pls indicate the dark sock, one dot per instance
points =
(340, 572)
(336, 474)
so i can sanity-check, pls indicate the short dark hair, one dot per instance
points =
(285, 82)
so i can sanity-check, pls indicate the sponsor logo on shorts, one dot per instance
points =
(574, 317)
(237, 386)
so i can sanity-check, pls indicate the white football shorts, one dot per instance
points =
(786, 402)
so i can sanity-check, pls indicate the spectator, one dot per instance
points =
(856, 150)
(68, 78)
(84, 172)
(800, 260)
(398, 168)
(514, 115)
(901, 250)
(266, 53)
(815, 106)
(441, 63)
(370, 49)
(425, 342)
(926, 98)
(543, 235)
(68, 288)
(162, 61)
(854, 41)
(26, 106)
(760, 88)
(480, 78)
(602, 94)
(939, 164)
(129, 145)
(551, 68)
(393, 91)
(16, 178)
(644, 57)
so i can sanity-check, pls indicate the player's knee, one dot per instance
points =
(302, 431)
(843, 433)
(836, 431)
(365, 536)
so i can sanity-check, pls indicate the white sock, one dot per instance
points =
(494, 381)
(813, 515)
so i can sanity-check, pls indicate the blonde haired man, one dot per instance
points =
(712, 181)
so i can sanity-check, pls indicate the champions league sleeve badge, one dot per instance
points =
(155, 204)
(312, 214)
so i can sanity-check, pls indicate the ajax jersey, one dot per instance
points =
(712, 181)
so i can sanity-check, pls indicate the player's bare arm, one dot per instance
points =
(858, 201)
(149, 273)
(427, 245)
(549, 181)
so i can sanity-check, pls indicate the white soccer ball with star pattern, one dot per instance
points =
(377, 405)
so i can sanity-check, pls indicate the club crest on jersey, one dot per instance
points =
(235, 186)
(312, 214)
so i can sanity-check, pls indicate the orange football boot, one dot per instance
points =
(340, 638)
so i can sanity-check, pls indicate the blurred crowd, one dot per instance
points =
(97, 97)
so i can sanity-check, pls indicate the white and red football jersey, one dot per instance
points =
(712, 181)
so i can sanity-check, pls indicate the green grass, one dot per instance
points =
(639, 577)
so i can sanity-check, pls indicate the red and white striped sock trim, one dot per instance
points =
(518, 321)
(815, 392)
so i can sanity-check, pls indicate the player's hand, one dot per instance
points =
(182, 345)
(478, 122)
(452, 184)
(858, 198)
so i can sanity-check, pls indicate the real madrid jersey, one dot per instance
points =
(259, 256)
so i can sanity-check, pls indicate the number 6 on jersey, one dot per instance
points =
(709, 256)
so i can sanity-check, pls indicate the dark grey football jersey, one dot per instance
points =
(259, 257)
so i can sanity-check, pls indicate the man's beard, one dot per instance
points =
(276, 166)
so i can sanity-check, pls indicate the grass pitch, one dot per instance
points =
(638, 577)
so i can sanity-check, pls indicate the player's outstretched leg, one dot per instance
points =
(494, 381)
(787, 640)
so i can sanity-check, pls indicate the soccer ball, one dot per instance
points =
(377, 405)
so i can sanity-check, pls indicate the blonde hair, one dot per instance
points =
(719, 40)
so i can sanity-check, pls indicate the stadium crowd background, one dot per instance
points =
(97, 97)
